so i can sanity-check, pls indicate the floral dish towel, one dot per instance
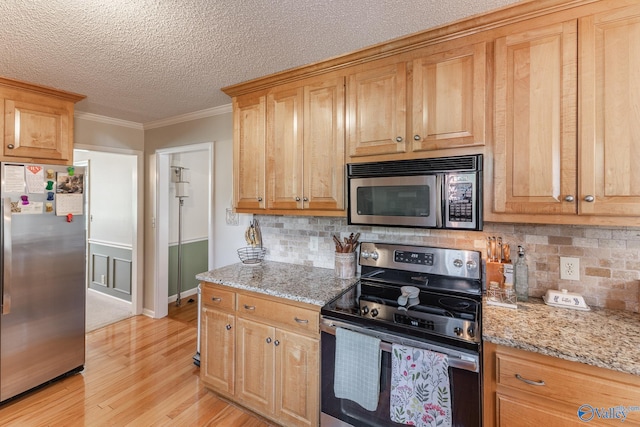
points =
(420, 392)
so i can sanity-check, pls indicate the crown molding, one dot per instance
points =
(107, 120)
(209, 112)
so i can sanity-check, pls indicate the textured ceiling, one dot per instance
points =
(147, 60)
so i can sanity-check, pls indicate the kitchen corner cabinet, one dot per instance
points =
(37, 123)
(567, 123)
(445, 109)
(305, 146)
(249, 151)
(529, 389)
(262, 353)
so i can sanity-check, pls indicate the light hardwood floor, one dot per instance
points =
(138, 372)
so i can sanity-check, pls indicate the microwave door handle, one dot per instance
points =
(442, 194)
(6, 255)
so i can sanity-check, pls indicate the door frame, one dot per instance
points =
(161, 220)
(137, 260)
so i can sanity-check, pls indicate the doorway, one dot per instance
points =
(114, 233)
(198, 160)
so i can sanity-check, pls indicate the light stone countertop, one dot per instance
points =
(311, 285)
(600, 337)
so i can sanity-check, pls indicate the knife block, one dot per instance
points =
(495, 273)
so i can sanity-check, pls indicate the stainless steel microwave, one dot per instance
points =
(442, 192)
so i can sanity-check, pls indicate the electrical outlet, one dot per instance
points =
(569, 268)
(313, 243)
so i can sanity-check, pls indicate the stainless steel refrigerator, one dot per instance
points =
(42, 326)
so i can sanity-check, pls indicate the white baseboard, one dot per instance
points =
(183, 295)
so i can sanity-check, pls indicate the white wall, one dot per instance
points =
(195, 210)
(111, 189)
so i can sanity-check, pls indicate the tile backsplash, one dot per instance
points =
(609, 256)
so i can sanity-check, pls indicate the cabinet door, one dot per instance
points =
(255, 365)
(610, 117)
(376, 111)
(535, 152)
(515, 412)
(285, 148)
(249, 116)
(218, 352)
(449, 99)
(297, 376)
(38, 128)
(324, 158)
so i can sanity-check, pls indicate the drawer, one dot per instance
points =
(220, 299)
(564, 381)
(295, 318)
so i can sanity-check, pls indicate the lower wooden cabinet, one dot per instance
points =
(262, 354)
(523, 388)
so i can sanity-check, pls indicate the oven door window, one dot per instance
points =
(407, 201)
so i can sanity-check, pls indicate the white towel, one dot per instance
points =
(420, 392)
(357, 368)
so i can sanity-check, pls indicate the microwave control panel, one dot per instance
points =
(461, 199)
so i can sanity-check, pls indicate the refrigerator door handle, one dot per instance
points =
(6, 255)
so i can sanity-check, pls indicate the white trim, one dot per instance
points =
(187, 241)
(110, 244)
(108, 120)
(110, 296)
(210, 112)
(161, 209)
(183, 295)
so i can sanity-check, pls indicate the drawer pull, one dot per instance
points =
(530, 382)
(249, 307)
(216, 299)
(301, 320)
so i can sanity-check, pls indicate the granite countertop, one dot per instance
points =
(311, 285)
(600, 337)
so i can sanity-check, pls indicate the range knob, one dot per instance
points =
(471, 332)
(374, 312)
(365, 254)
(457, 330)
(374, 256)
(364, 310)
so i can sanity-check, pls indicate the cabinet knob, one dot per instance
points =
(228, 327)
(297, 199)
(268, 340)
(416, 137)
(259, 198)
(305, 199)
(589, 198)
(398, 139)
(10, 146)
(569, 198)
(276, 343)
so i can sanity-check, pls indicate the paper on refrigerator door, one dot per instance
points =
(13, 179)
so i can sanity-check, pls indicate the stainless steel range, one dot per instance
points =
(419, 296)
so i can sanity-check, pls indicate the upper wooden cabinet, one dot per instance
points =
(249, 139)
(445, 107)
(305, 146)
(567, 124)
(609, 123)
(535, 131)
(37, 123)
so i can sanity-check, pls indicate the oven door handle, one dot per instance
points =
(457, 359)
